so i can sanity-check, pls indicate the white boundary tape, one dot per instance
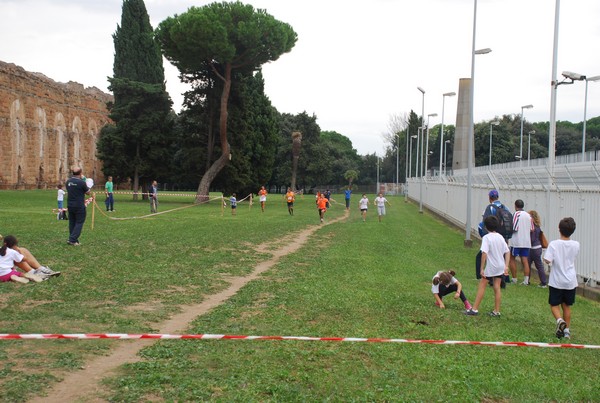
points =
(127, 336)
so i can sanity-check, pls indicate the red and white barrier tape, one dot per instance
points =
(126, 336)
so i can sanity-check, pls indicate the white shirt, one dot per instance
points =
(436, 288)
(364, 203)
(562, 254)
(522, 227)
(380, 201)
(61, 195)
(8, 261)
(494, 246)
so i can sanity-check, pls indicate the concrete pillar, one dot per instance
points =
(463, 120)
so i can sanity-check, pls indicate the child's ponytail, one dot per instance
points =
(9, 242)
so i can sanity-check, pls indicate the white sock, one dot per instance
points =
(526, 279)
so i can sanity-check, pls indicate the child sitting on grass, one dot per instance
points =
(444, 283)
(561, 254)
(9, 258)
(495, 257)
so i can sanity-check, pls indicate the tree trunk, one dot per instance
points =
(136, 173)
(222, 161)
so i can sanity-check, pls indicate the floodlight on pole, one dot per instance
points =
(427, 143)
(470, 136)
(494, 123)
(447, 94)
(521, 142)
(421, 150)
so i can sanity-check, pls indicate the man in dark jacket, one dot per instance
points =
(76, 191)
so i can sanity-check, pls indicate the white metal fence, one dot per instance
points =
(574, 192)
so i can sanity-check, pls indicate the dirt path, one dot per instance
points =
(84, 385)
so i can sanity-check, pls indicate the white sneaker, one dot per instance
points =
(514, 280)
(44, 271)
(567, 333)
(18, 279)
(33, 277)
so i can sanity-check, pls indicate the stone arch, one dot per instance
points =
(19, 137)
(78, 152)
(41, 125)
(91, 146)
(61, 147)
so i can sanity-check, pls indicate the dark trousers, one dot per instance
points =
(449, 290)
(535, 257)
(347, 203)
(76, 220)
(110, 202)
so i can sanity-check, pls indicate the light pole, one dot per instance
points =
(406, 170)
(410, 158)
(529, 147)
(468, 242)
(521, 146)
(377, 191)
(446, 157)
(447, 94)
(421, 152)
(494, 123)
(595, 78)
(427, 143)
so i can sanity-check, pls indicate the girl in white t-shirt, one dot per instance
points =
(363, 204)
(9, 258)
(444, 283)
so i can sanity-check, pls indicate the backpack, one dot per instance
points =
(505, 219)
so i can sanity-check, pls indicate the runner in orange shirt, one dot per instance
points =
(262, 194)
(322, 205)
(290, 197)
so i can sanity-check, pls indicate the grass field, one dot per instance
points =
(352, 279)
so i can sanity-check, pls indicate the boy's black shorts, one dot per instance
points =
(559, 296)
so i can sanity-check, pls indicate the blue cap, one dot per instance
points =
(493, 194)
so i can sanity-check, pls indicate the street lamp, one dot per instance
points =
(427, 143)
(421, 151)
(447, 94)
(529, 146)
(468, 242)
(495, 123)
(410, 158)
(446, 157)
(521, 146)
(406, 169)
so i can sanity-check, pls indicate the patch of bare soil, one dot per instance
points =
(85, 385)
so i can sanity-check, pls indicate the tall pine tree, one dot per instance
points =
(139, 144)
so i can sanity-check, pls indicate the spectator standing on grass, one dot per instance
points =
(233, 203)
(76, 191)
(561, 255)
(520, 243)
(108, 189)
(491, 209)
(328, 197)
(444, 283)
(535, 253)
(60, 197)
(363, 204)
(347, 194)
(380, 202)
(153, 197)
(495, 257)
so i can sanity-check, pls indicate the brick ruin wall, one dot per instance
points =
(46, 127)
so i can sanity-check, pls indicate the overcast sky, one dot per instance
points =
(356, 63)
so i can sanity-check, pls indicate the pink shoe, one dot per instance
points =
(468, 305)
(437, 303)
